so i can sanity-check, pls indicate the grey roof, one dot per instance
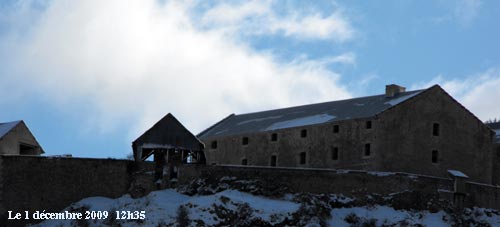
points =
(496, 128)
(6, 127)
(305, 115)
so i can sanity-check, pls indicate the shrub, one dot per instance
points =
(182, 216)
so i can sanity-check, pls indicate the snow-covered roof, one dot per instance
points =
(306, 115)
(6, 127)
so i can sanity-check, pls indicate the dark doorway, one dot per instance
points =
(26, 149)
(273, 160)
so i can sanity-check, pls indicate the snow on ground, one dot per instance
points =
(385, 215)
(162, 209)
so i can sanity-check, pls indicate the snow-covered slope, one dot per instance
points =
(235, 208)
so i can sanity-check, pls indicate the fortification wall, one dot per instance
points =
(322, 180)
(482, 195)
(30, 183)
(348, 182)
(51, 184)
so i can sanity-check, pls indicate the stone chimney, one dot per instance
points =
(392, 90)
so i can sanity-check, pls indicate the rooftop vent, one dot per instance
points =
(392, 90)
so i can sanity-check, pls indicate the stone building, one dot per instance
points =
(422, 131)
(496, 152)
(16, 139)
(171, 144)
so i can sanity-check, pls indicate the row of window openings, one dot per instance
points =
(335, 156)
(336, 152)
(274, 160)
(244, 141)
(303, 134)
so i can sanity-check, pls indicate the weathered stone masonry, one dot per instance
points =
(346, 182)
(42, 183)
(428, 133)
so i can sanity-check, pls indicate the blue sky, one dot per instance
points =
(88, 77)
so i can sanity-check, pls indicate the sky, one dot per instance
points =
(89, 77)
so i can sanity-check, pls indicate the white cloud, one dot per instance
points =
(466, 10)
(137, 60)
(260, 17)
(462, 12)
(479, 93)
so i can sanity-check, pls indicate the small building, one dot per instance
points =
(171, 144)
(423, 131)
(16, 139)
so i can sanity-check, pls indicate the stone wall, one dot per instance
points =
(42, 183)
(400, 139)
(317, 145)
(496, 164)
(483, 195)
(346, 182)
(405, 139)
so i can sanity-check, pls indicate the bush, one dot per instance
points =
(182, 216)
(352, 218)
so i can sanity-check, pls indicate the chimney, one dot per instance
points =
(392, 90)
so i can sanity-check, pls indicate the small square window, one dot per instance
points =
(214, 144)
(336, 129)
(274, 137)
(335, 153)
(367, 150)
(435, 129)
(244, 141)
(369, 124)
(244, 162)
(273, 160)
(303, 133)
(435, 156)
(302, 158)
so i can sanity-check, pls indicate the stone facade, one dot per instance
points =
(426, 134)
(496, 164)
(496, 152)
(31, 183)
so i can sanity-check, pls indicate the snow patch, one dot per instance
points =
(387, 215)
(259, 119)
(309, 120)
(162, 206)
(155, 146)
(457, 173)
(381, 174)
(222, 131)
(396, 101)
(343, 171)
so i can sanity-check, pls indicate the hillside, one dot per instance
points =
(233, 202)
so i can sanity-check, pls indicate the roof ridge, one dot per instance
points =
(321, 103)
(299, 116)
(8, 127)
